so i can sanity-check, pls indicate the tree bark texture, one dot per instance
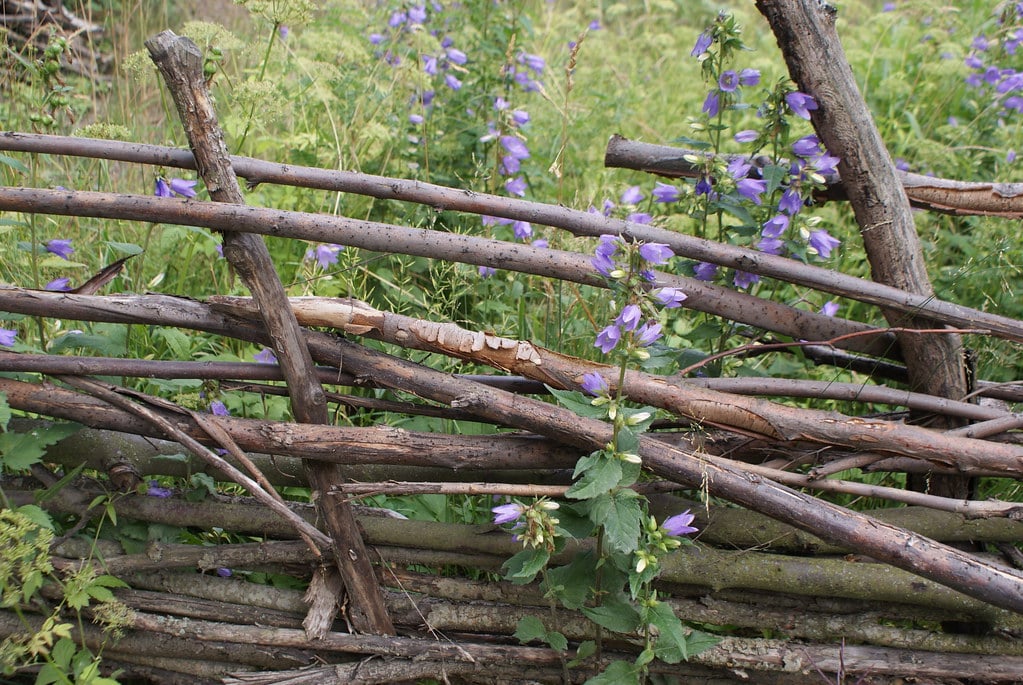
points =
(805, 30)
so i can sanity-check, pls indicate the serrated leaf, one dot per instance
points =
(622, 518)
(63, 651)
(48, 674)
(36, 515)
(18, 451)
(109, 581)
(598, 479)
(529, 628)
(672, 644)
(617, 673)
(614, 614)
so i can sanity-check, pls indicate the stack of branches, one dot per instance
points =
(784, 563)
(28, 24)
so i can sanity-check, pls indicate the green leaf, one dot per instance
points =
(523, 567)
(617, 673)
(529, 628)
(5, 412)
(603, 475)
(584, 651)
(572, 583)
(13, 163)
(63, 651)
(109, 581)
(622, 518)
(672, 645)
(18, 451)
(51, 491)
(48, 674)
(557, 641)
(614, 614)
(37, 515)
(124, 248)
(698, 641)
(579, 403)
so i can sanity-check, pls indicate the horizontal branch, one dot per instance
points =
(454, 247)
(1004, 200)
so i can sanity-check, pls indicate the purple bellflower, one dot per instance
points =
(7, 337)
(60, 247)
(801, 104)
(664, 192)
(680, 524)
(594, 384)
(507, 513)
(656, 253)
(823, 242)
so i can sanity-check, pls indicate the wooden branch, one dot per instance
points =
(578, 222)
(946, 196)
(569, 266)
(677, 395)
(181, 64)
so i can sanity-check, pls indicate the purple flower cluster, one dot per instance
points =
(507, 129)
(444, 66)
(8, 337)
(811, 162)
(614, 260)
(1002, 84)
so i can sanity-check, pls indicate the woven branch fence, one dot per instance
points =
(881, 596)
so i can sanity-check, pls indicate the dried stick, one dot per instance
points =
(575, 221)
(781, 387)
(738, 413)
(181, 65)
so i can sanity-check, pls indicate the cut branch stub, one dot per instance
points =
(180, 63)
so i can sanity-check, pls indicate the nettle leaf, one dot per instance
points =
(598, 479)
(578, 402)
(529, 628)
(523, 567)
(622, 517)
(36, 515)
(614, 614)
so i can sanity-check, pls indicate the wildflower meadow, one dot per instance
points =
(494, 341)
